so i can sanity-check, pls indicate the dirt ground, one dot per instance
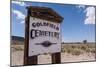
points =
(17, 58)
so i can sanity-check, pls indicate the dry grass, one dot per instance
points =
(74, 49)
(77, 49)
(17, 48)
(70, 53)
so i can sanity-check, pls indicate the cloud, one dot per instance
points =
(19, 15)
(22, 22)
(19, 3)
(90, 15)
(80, 6)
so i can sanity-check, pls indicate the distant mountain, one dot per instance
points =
(17, 40)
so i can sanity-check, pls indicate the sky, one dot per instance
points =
(78, 24)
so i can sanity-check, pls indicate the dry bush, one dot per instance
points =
(88, 50)
(17, 47)
(83, 47)
(77, 49)
(72, 49)
(76, 52)
(69, 50)
(93, 50)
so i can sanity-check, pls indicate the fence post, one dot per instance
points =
(56, 58)
(28, 60)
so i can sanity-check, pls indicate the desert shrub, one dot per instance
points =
(63, 50)
(77, 49)
(88, 50)
(73, 46)
(69, 50)
(18, 48)
(83, 47)
(93, 50)
(76, 52)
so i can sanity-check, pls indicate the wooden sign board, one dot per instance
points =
(44, 36)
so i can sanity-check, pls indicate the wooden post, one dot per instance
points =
(33, 59)
(56, 58)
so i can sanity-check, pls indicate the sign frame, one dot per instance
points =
(33, 60)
